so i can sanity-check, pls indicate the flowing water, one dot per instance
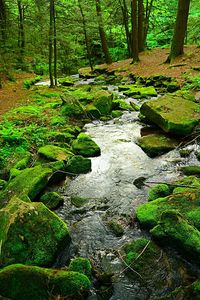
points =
(111, 195)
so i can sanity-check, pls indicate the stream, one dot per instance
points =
(111, 195)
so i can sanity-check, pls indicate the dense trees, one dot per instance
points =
(94, 31)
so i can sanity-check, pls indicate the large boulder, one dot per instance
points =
(78, 165)
(172, 114)
(85, 146)
(54, 153)
(137, 91)
(30, 234)
(103, 102)
(156, 144)
(20, 282)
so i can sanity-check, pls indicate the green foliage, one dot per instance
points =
(29, 82)
(192, 83)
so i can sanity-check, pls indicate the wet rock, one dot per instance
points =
(174, 229)
(20, 282)
(156, 144)
(85, 146)
(79, 201)
(81, 265)
(172, 114)
(52, 200)
(78, 165)
(116, 228)
(103, 102)
(31, 234)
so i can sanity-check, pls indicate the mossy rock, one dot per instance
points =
(20, 282)
(85, 146)
(72, 107)
(119, 104)
(156, 144)
(52, 200)
(66, 81)
(24, 162)
(92, 111)
(30, 234)
(158, 191)
(175, 230)
(140, 91)
(54, 153)
(187, 203)
(192, 182)
(79, 201)
(28, 184)
(81, 265)
(13, 173)
(191, 170)
(86, 73)
(117, 113)
(116, 228)
(57, 136)
(172, 114)
(172, 87)
(103, 102)
(78, 165)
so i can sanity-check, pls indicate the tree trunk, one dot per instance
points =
(134, 31)
(180, 30)
(102, 33)
(141, 44)
(55, 44)
(3, 21)
(148, 10)
(51, 44)
(21, 34)
(86, 36)
(124, 10)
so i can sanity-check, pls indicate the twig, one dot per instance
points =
(127, 266)
(142, 251)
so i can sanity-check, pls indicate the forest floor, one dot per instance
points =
(151, 63)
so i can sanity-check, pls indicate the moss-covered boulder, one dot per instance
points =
(187, 203)
(172, 114)
(81, 265)
(54, 153)
(72, 107)
(28, 184)
(30, 234)
(118, 104)
(103, 102)
(116, 113)
(138, 91)
(156, 144)
(78, 165)
(66, 81)
(158, 191)
(92, 111)
(174, 229)
(191, 170)
(20, 282)
(85, 146)
(24, 162)
(86, 73)
(52, 200)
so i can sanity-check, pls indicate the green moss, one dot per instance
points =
(191, 170)
(29, 183)
(158, 191)
(116, 228)
(66, 81)
(156, 144)
(174, 229)
(52, 200)
(81, 265)
(92, 111)
(78, 165)
(103, 102)
(24, 162)
(31, 234)
(117, 113)
(119, 104)
(79, 201)
(173, 114)
(13, 173)
(54, 153)
(20, 282)
(85, 146)
(189, 181)
(58, 136)
(72, 107)
(140, 91)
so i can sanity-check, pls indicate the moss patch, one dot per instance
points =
(52, 200)
(81, 265)
(78, 165)
(54, 153)
(158, 191)
(85, 146)
(20, 282)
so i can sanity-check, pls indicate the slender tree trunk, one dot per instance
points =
(86, 35)
(55, 44)
(21, 34)
(180, 30)
(51, 44)
(141, 44)
(148, 10)
(124, 10)
(102, 33)
(3, 21)
(134, 31)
